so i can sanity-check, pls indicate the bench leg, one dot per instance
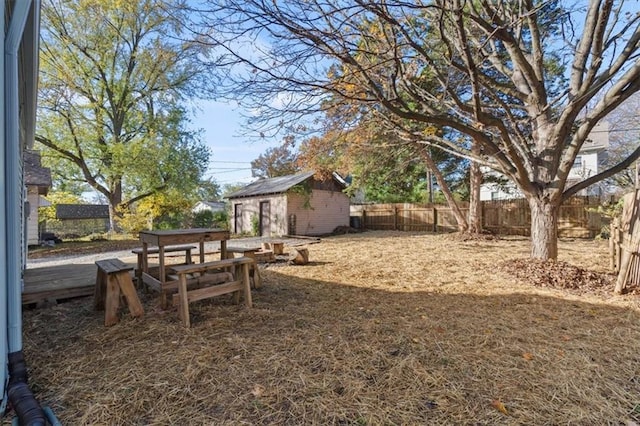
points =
(139, 283)
(100, 290)
(247, 285)
(237, 275)
(183, 309)
(164, 302)
(126, 286)
(255, 273)
(112, 302)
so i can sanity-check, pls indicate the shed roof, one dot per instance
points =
(34, 173)
(82, 211)
(275, 185)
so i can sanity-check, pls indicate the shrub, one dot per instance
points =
(255, 225)
(204, 219)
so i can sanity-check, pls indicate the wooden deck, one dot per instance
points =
(65, 281)
(58, 282)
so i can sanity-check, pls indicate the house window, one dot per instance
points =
(578, 163)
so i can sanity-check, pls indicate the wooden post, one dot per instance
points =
(435, 219)
(395, 218)
(299, 256)
(630, 242)
(612, 244)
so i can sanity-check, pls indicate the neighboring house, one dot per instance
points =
(37, 180)
(586, 164)
(77, 220)
(212, 206)
(295, 205)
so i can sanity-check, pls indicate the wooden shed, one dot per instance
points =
(296, 204)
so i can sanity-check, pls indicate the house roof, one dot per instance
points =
(275, 185)
(214, 204)
(34, 173)
(82, 211)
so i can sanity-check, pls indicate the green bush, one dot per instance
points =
(221, 219)
(255, 225)
(204, 219)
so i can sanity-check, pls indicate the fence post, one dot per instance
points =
(435, 220)
(395, 218)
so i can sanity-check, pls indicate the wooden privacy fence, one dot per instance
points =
(507, 217)
(624, 243)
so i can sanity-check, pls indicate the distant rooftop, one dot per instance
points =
(34, 173)
(82, 211)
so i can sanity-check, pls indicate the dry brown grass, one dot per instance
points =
(380, 329)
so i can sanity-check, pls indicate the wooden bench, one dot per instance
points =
(112, 279)
(186, 296)
(156, 250)
(254, 272)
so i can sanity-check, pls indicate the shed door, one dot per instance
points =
(237, 218)
(265, 218)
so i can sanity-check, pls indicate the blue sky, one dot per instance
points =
(231, 152)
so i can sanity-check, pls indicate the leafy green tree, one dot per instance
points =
(208, 190)
(114, 77)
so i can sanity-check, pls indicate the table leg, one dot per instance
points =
(162, 277)
(145, 258)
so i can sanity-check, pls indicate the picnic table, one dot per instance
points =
(163, 238)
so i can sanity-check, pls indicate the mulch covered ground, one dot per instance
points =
(380, 328)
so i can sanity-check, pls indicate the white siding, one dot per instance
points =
(327, 211)
(586, 165)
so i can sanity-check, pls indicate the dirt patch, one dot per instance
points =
(379, 328)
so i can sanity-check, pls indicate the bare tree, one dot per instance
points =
(517, 78)
(624, 138)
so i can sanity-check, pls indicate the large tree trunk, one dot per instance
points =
(544, 229)
(115, 199)
(475, 206)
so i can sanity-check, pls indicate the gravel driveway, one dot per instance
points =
(122, 254)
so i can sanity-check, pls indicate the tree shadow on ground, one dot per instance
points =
(317, 352)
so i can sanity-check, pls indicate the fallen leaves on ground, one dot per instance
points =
(498, 405)
(557, 274)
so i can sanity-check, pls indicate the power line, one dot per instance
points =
(227, 171)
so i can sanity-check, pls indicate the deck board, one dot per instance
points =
(58, 282)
